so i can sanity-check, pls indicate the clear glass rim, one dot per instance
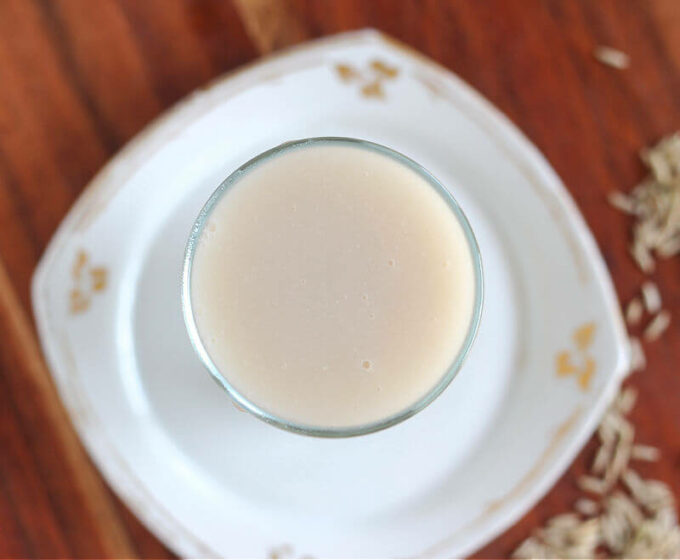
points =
(245, 403)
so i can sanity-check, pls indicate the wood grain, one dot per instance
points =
(70, 484)
(79, 78)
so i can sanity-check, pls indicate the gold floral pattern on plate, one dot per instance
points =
(578, 361)
(87, 280)
(370, 79)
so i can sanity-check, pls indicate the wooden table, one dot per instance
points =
(78, 78)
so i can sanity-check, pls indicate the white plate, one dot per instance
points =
(212, 481)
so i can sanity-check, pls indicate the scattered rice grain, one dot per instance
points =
(625, 400)
(632, 481)
(638, 361)
(531, 548)
(653, 541)
(621, 503)
(641, 523)
(609, 56)
(564, 521)
(591, 484)
(664, 158)
(620, 457)
(655, 496)
(586, 507)
(602, 458)
(669, 248)
(621, 201)
(642, 257)
(655, 203)
(634, 311)
(651, 297)
(657, 326)
(645, 453)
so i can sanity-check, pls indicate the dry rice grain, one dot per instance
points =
(655, 202)
(657, 326)
(642, 257)
(602, 458)
(591, 484)
(645, 453)
(621, 202)
(620, 457)
(655, 496)
(633, 481)
(586, 507)
(664, 158)
(564, 521)
(638, 361)
(531, 548)
(620, 502)
(625, 400)
(634, 311)
(612, 57)
(651, 297)
(669, 248)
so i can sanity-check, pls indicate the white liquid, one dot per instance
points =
(332, 286)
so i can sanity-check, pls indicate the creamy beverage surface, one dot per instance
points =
(332, 285)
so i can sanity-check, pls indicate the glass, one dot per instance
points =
(222, 380)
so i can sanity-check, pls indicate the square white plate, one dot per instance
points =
(212, 481)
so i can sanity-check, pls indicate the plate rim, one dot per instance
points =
(122, 480)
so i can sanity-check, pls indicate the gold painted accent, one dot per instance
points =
(79, 301)
(586, 374)
(86, 281)
(345, 72)
(370, 80)
(564, 365)
(583, 336)
(579, 362)
(99, 278)
(383, 69)
(79, 264)
(374, 89)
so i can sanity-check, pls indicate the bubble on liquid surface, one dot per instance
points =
(391, 262)
(212, 227)
(367, 365)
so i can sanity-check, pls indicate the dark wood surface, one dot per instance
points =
(78, 78)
